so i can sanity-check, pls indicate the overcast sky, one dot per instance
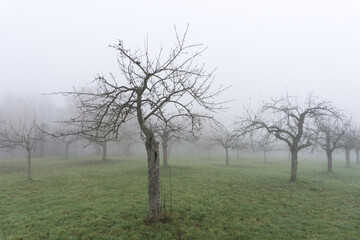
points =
(261, 48)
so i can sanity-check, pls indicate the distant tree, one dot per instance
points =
(330, 133)
(168, 132)
(207, 144)
(224, 138)
(357, 144)
(22, 134)
(155, 88)
(290, 121)
(240, 144)
(348, 142)
(262, 142)
(67, 140)
(129, 137)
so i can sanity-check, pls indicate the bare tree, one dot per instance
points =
(348, 142)
(67, 140)
(330, 133)
(225, 138)
(155, 88)
(128, 138)
(263, 142)
(290, 121)
(168, 132)
(22, 134)
(357, 144)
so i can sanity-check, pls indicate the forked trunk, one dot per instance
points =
(347, 154)
(104, 151)
(227, 156)
(152, 149)
(329, 158)
(165, 153)
(294, 163)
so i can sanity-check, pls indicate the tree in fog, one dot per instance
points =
(168, 132)
(100, 142)
(348, 142)
(357, 144)
(262, 142)
(155, 88)
(224, 138)
(23, 134)
(289, 120)
(67, 140)
(330, 133)
(129, 137)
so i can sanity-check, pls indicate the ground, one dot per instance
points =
(85, 198)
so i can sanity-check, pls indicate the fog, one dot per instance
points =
(261, 48)
(275, 63)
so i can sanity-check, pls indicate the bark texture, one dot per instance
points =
(152, 149)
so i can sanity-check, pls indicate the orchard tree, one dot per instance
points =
(225, 138)
(262, 142)
(167, 88)
(289, 120)
(67, 140)
(331, 131)
(168, 132)
(348, 142)
(23, 134)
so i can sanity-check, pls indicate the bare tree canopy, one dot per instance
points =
(262, 142)
(331, 131)
(23, 134)
(225, 138)
(289, 120)
(165, 88)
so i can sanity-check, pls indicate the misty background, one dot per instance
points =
(262, 49)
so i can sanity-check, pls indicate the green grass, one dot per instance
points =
(84, 198)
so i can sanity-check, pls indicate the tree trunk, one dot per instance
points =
(357, 156)
(347, 154)
(208, 153)
(67, 145)
(227, 156)
(329, 158)
(165, 153)
(294, 163)
(29, 164)
(237, 153)
(152, 149)
(104, 151)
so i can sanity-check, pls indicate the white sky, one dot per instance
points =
(258, 47)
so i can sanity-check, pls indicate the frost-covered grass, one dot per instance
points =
(84, 198)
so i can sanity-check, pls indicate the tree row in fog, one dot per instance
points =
(171, 98)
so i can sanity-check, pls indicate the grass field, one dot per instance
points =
(84, 198)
